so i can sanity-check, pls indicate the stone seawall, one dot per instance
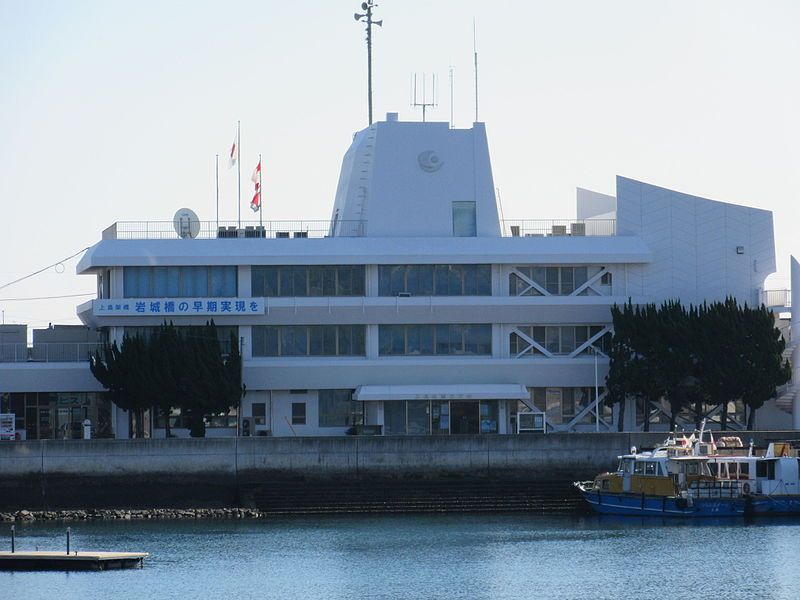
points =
(279, 472)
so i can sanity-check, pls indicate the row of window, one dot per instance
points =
(557, 281)
(428, 340)
(308, 340)
(556, 339)
(307, 280)
(562, 404)
(435, 280)
(349, 280)
(179, 282)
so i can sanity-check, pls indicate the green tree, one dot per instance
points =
(764, 367)
(126, 372)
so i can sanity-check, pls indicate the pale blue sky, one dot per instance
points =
(114, 110)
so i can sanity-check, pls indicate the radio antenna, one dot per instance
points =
(451, 97)
(475, 56)
(366, 17)
(424, 101)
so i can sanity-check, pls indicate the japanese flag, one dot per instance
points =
(234, 154)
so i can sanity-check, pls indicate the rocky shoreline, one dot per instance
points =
(27, 516)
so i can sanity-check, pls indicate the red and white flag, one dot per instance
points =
(234, 154)
(255, 203)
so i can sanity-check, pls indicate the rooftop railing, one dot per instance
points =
(776, 298)
(207, 230)
(48, 352)
(166, 230)
(559, 227)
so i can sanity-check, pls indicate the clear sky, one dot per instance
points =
(113, 111)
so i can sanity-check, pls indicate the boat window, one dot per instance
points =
(761, 469)
(692, 468)
(713, 468)
(771, 469)
(604, 484)
(732, 472)
(650, 468)
(744, 470)
(639, 468)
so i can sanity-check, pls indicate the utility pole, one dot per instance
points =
(366, 17)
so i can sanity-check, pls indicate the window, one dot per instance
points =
(226, 334)
(638, 468)
(308, 340)
(179, 282)
(464, 221)
(534, 280)
(558, 340)
(394, 417)
(259, 411)
(435, 280)
(298, 413)
(337, 408)
(311, 280)
(650, 468)
(428, 340)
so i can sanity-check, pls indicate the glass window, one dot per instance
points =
(484, 280)
(394, 417)
(316, 277)
(308, 340)
(336, 408)
(308, 281)
(418, 421)
(489, 416)
(464, 220)
(551, 280)
(426, 340)
(425, 280)
(435, 280)
(298, 413)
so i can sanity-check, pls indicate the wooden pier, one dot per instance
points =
(75, 561)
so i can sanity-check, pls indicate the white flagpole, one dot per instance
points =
(239, 166)
(260, 195)
(217, 180)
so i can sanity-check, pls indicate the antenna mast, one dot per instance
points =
(475, 55)
(425, 103)
(366, 17)
(451, 97)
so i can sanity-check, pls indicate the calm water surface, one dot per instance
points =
(423, 557)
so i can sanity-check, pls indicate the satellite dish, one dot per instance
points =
(186, 223)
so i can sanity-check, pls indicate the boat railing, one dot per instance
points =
(715, 489)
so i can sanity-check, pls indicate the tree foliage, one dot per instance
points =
(172, 369)
(715, 354)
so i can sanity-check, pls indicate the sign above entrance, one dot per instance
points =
(131, 307)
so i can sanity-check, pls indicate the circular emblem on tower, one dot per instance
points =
(429, 161)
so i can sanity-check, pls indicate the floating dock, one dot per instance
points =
(75, 561)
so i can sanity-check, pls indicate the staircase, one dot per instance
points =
(419, 496)
(784, 399)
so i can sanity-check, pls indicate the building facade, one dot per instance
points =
(416, 309)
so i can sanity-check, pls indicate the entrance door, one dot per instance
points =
(465, 417)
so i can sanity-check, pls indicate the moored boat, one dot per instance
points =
(672, 480)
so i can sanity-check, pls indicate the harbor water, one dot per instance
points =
(511, 556)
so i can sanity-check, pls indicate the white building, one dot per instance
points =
(416, 309)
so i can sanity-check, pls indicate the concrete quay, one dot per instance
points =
(310, 475)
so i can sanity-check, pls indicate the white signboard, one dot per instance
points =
(131, 307)
(7, 431)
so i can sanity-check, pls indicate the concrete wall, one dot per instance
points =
(201, 472)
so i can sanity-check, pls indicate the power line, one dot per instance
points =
(55, 264)
(46, 297)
